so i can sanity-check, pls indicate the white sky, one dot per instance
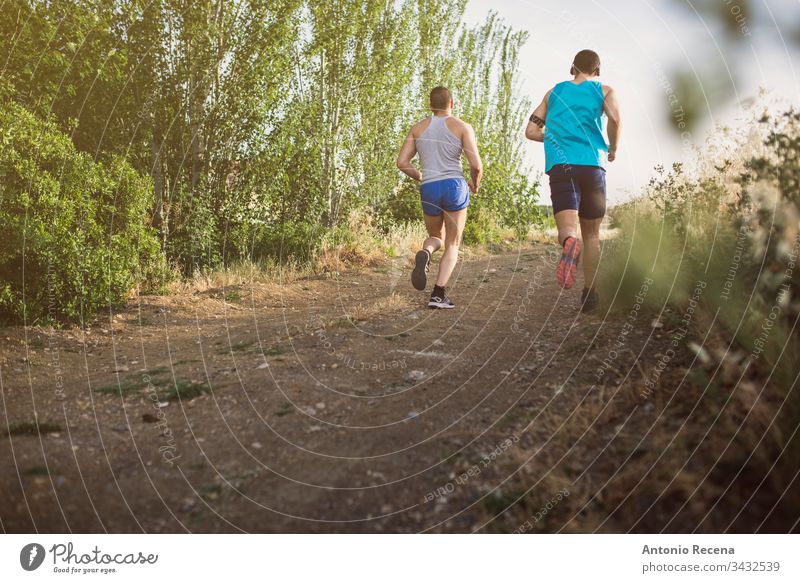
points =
(637, 39)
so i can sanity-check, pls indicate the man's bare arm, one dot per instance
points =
(535, 129)
(407, 153)
(470, 146)
(611, 109)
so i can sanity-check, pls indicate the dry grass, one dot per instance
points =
(364, 247)
(239, 273)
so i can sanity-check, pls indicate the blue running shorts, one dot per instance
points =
(579, 188)
(450, 194)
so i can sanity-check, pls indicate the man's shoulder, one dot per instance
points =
(420, 126)
(454, 122)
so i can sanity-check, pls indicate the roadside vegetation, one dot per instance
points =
(719, 246)
(162, 140)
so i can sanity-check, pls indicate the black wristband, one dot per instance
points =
(537, 120)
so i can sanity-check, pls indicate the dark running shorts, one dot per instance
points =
(579, 188)
(450, 194)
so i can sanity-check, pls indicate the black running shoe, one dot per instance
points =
(439, 300)
(589, 300)
(419, 277)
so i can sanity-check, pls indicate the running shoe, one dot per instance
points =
(419, 277)
(440, 301)
(589, 300)
(567, 270)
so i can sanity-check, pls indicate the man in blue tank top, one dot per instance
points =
(569, 121)
(440, 140)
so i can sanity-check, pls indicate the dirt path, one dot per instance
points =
(325, 405)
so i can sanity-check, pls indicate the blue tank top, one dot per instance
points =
(573, 132)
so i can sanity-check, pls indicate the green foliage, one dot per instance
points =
(196, 241)
(295, 242)
(404, 206)
(263, 125)
(735, 231)
(76, 231)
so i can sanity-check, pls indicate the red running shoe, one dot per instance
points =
(567, 270)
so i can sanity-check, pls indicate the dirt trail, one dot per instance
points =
(323, 405)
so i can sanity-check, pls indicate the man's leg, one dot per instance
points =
(592, 211)
(565, 195)
(434, 225)
(590, 233)
(567, 269)
(567, 224)
(454, 228)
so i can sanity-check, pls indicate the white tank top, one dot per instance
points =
(439, 152)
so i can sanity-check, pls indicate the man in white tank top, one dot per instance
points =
(440, 140)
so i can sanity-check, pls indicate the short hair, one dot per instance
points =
(440, 98)
(586, 62)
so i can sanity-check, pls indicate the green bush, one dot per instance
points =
(290, 243)
(75, 231)
(404, 206)
(194, 241)
(483, 226)
(734, 229)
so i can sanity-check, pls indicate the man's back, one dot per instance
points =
(574, 133)
(439, 144)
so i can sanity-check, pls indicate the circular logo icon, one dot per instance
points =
(31, 556)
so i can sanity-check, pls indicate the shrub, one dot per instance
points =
(734, 227)
(76, 234)
(295, 243)
(194, 239)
